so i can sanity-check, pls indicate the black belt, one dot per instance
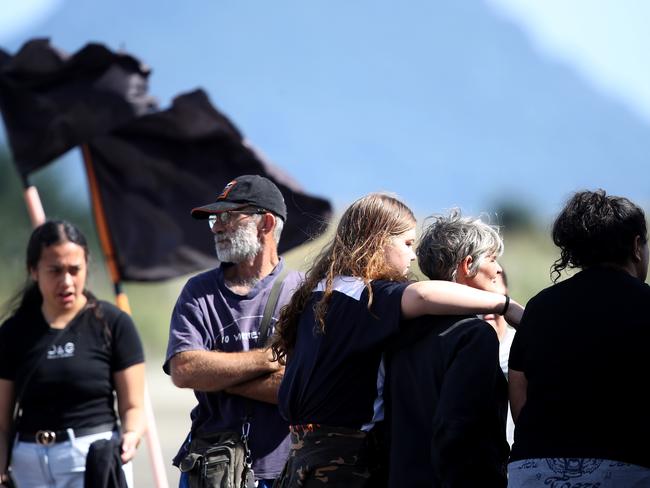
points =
(47, 437)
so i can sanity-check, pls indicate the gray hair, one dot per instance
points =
(277, 230)
(447, 240)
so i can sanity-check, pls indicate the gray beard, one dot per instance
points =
(243, 244)
(240, 282)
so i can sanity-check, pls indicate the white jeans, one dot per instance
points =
(59, 465)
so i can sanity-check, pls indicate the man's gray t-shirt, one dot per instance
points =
(209, 316)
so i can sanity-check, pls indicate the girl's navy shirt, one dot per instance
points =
(336, 378)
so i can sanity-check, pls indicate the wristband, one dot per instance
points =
(505, 305)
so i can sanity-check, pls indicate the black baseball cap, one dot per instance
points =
(244, 191)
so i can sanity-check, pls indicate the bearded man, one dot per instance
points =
(215, 343)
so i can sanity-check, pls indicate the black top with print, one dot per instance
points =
(72, 385)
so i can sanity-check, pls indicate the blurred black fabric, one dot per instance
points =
(104, 465)
(51, 102)
(152, 167)
(152, 171)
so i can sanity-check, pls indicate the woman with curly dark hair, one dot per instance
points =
(579, 363)
(334, 331)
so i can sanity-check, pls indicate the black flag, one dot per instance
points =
(51, 102)
(152, 171)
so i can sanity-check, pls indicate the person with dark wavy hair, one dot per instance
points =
(64, 357)
(579, 361)
(595, 228)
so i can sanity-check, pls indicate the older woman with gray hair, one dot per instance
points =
(461, 249)
(446, 394)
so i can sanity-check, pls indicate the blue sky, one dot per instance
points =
(606, 40)
(444, 103)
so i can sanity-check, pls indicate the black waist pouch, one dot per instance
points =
(218, 460)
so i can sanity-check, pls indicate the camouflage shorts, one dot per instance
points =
(332, 456)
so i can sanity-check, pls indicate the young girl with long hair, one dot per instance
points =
(332, 335)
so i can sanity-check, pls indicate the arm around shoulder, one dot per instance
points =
(448, 298)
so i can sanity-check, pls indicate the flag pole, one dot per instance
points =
(121, 299)
(33, 203)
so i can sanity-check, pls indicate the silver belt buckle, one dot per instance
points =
(45, 437)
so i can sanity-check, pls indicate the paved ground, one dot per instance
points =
(171, 407)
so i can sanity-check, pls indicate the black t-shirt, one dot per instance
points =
(335, 378)
(72, 385)
(583, 346)
(446, 404)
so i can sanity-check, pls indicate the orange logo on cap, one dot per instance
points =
(226, 190)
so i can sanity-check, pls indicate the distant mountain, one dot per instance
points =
(443, 103)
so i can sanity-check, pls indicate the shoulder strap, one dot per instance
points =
(265, 324)
(271, 303)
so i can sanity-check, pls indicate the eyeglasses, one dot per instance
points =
(228, 216)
